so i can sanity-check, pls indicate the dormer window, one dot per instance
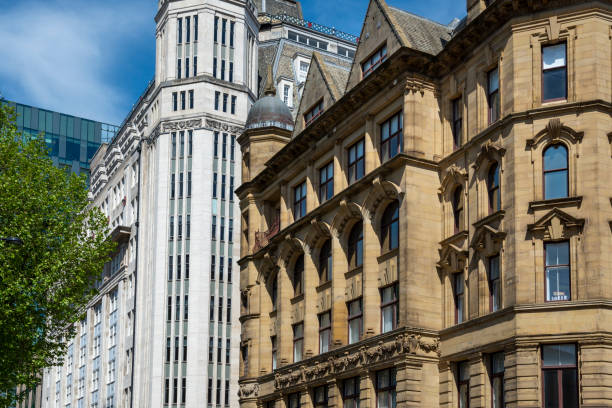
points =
(374, 61)
(313, 113)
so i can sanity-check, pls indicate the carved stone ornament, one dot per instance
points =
(381, 191)
(346, 211)
(248, 391)
(216, 125)
(182, 125)
(487, 239)
(454, 252)
(555, 131)
(556, 224)
(362, 357)
(454, 176)
(489, 152)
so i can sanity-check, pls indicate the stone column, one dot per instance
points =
(311, 323)
(285, 331)
(448, 393)
(409, 375)
(372, 159)
(594, 359)
(371, 295)
(312, 197)
(339, 158)
(478, 379)
(522, 376)
(285, 206)
(334, 393)
(367, 394)
(338, 297)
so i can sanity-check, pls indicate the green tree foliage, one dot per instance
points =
(47, 280)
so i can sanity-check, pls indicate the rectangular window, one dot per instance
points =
(178, 267)
(214, 192)
(223, 70)
(168, 349)
(231, 72)
(457, 122)
(228, 311)
(497, 380)
(494, 284)
(175, 390)
(219, 352)
(233, 148)
(179, 68)
(195, 34)
(299, 201)
(188, 226)
(184, 382)
(559, 375)
(183, 100)
(222, 229)
(374, 61)
(191, 99)
(177, 309)
(463, 384)
(355, 320)
(286, 94)
(215, 67)
(391, 139)
(389, 308)
(350, 392)
(167, 391)
(326, 182)
(186, 307)
(187, 67)
(458, 294)
(217, 99)
(227, 349)
(224, 147)
(216, 32)
(557, 271)
(298, 342)
(229, 270)
(214, 227)
(225, 102)
(231, 39)
(233, 106)
(212, 308)
(221, 267)
(174, 101)
(320, 396)
(223, 187)
(211, 345)
(220, 309)
(189, 182)
(274, 352)
(216, 146)
(209, 395)
(212, 267)
(493, 94)
(188, 29)
(180, 30)
(294, 400)
(174, 144)
(187, 266)
(554, 72)
(180, 227)
(324, 332)
(182, 138)
(223, 29)
(230, 231)
(181, 181)
(171, 227)
(356, 162)
(190, 144)
(385, 388)
(195, 65)
(172, 187)
(169, 311)
(231, 188)
(313, 113)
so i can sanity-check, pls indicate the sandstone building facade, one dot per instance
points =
(436, 231)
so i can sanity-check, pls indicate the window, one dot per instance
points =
(183, 387)
(224, 147)
(225, 102)
(214, 192)
(214, 227)
(294, 400)
(355, 320)
(390, 227)
(219, 350)
(179, 69)
(231, 190)
(173, 144)
(190, 145)
(313, 113)
(180, 227)
(181, 181)
(497, 380)
(457, 122)
(324, 332)
(493, 188)
(274, 343)
(227, 350)
(195, 65)
(212, 267)
(223, 29)
(557, 271)
(216, 35)
(493, 94)
(299, 201)
(228, 311)
(355, 246)
(171, 227)
(221, 266)
(178, 267)
(389, 307)
(220, 309)
(168, 349)
(175, 389)
(286, 89)
(298, 276)
(222, 229)
(187, 263)
(195, 31)
(325, 262)
(374, 61)
(391, 140)
(350, 392)
(326, 182)
(298, 342)
(494, 284)
(559, 375)
(212, 308)
(217, 97)
(385, 388)
(186, 307)
(232, 148)
(180, 30)
(463, 384)
(216, 146)
(188, 184)
(172, 186)
(231, 38)
(177, 309)
(231, 72)
(229, 270)
(188, 28)
(167, 391)
(233, 106)
(191, 99)
(215, 67)
(274, 292)
(356, 163)
(554, 72)
(230, 230)
(186, 67)
(320, 396)
(174, 101)
(223, 70)
(209, 395)
(458, 217)
(458, 294)
(555, 172)
(223, 185)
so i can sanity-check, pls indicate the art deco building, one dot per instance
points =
(436, 230)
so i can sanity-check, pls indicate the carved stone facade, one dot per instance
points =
(459, 243)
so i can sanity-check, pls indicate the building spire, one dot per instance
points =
(270, 90)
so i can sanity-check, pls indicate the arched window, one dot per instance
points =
(274, 292)
(298, 276)
(493, 188)
(355, 246)
(325, 262)
(458, 209)
(555, 172)
(390, 227)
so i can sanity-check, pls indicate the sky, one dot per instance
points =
(94, 58)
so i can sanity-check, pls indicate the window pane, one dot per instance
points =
(554, 84)
(387, 319)
(497, 363)
(354, 330)
(570, 388)
(557, 253)
(553, 56)
(555, 185)
(558, 283)
(383, 379)
(551, 389)
(494, 267)
(555, 157)
(463, 396)
(558, 355)
(385, 130)
(493, 80)
(498, 391)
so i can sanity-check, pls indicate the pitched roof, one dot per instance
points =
(335, 74)
(422, 34)
(276, 7)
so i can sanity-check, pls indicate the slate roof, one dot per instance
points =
(337, 72)
(422, 34)
(277, 7)
(267, 54)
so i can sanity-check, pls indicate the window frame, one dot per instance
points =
(458, 277)
(458, 204)
(494, 375)
(493, 115)
(569, 270)
(325, 330)
(386, 227)
(315, 402)
(299, 202)
(386, 143)
(326, 182)
(463, 382)
(556, 170)
(494, 188)
(354, 394)
(390, 389)
(457, 121)
(274, 347)
(353, 166)
(313, 113)
(543, 71)
(298, 285)
(560, 369)
(355, 246)
(393, 304)
(353, 317)
(298, 340)
(375, 60)
(325, 269)
(492, 281)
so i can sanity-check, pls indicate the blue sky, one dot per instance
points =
(93, 58)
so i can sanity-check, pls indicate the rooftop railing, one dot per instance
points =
(313, 26)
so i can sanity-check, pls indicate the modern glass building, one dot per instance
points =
(72, 141)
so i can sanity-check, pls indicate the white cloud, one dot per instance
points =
(61, 54)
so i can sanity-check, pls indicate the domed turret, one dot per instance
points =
(270, 111)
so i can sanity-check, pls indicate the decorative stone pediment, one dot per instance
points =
(347, 211)
(454, 252)
(556, 224)
(318, 231)
(454, 176)
(289, 247)
(487, 240)
(554, 132)
(382, 191)
(489, 152)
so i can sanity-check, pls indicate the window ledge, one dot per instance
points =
(297, 299)
(454, 238)
(497, 215)
(323, 286)
(353, 272)
(557, 202)
(388, 255)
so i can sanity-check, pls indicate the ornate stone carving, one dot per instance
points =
(182, 125)
(213, 124)
(555, 131)
(489, 152)
(248, 391)
(556, 224)
(454, 176)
